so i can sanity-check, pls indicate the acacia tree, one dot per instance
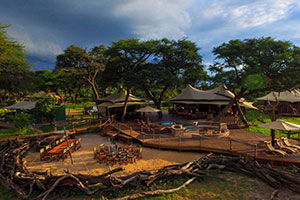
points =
(14, 69)
(174, 63)
(83, 63)
(126, 59)
(256, 65)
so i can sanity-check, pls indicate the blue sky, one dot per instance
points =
(46, 28)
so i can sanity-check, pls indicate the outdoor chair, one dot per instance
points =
(287, 143)
(63, 155)
(44, 154)
(110, 159)
(137, 153)
(48, 147)
(289, 150)
(101, 158)
(96, 152)
(272, 150)
(72, 147)
(77, 145)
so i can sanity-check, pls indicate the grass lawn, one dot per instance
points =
(14, 132)
(79, 106)
(253, 115)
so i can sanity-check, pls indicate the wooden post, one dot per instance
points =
(73, 128)
(159, 141)
(130, 130)
(230, 144)
(179, 142)
(255, 146)
(66, 134)
(200, 140)
(55, 127)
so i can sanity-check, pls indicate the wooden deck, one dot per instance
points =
(239, 143)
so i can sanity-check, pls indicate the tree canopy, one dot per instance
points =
(13, 67)
(83, 63)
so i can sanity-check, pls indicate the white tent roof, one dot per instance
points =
(286, 96)
(192, 94)
(280, 125)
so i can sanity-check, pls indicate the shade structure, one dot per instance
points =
(286, 96)
(148, 109)
(280, 125)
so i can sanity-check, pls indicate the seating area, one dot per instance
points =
(60, 150)
(282, 147)
(113, 154)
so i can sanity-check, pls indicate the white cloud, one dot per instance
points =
(156, 18)
(36, 44)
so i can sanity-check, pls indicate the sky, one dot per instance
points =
(47, 28)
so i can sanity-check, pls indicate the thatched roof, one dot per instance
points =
(286, 96)
(192, 94)
(23, 105)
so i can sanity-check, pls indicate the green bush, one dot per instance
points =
(21, 121)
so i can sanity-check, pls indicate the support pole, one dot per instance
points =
(159, 141)
(66, 134)
(200, 141)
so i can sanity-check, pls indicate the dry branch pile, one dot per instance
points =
(14, 175)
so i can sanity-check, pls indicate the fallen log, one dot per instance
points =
(15, 175)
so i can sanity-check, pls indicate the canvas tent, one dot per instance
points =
(200, 102)
(114, 103)
(289, 101)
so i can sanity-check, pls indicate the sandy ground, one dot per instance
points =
(84, 162)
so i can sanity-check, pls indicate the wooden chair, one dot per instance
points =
(286, 142)
(271, 149)
(43, 154)
(96, 152)
(77, 145)
(289, 150)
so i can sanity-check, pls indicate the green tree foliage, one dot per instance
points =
(46, 107)
(126, 60)
(21, 120)
(154, 66)
(271, 64)
(174, 63)
(14, 69)
(257, 65)
(83, 63)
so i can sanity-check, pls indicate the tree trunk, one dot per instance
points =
(95, 91)
(125, 104)
(273, 118)
(157, 102)
(243, 117)
(224, 111)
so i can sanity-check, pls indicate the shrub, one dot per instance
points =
(21, 121)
